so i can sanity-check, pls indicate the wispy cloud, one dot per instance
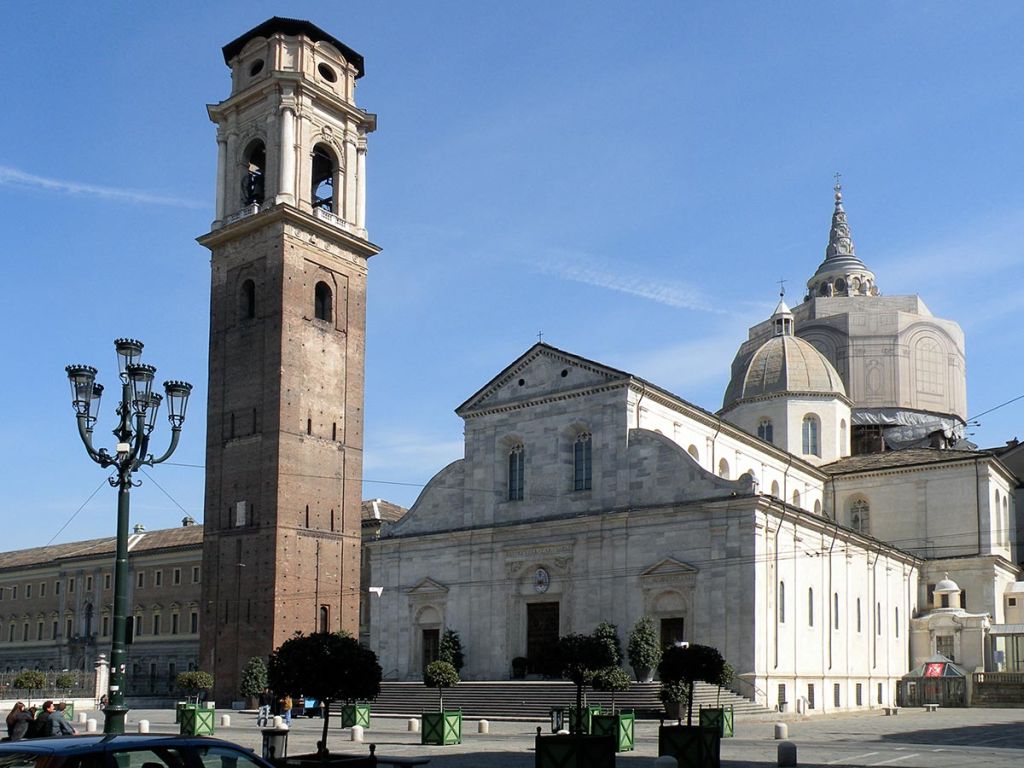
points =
(587, 270)
(409, 457)
(13, 177)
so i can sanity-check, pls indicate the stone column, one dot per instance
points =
(361, 185)
(222, 164)
(102, 677)
(286, 183)
(349, 214)
(231, 200)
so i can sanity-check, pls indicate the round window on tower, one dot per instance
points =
(256, 68)
(327, 73)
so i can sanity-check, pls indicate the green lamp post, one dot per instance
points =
(137, 414)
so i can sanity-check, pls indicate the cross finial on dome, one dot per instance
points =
(782, 287)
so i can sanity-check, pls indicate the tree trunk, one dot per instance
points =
(689, 703)
(576, 723)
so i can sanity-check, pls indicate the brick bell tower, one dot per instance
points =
(289, 258)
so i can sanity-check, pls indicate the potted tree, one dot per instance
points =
(444, 726)
(579, 657)
(254, 681)
(30, 680)
(617, 724)
(718, 716)
(328, 666)
(195, 721)
(692, 746)
(644, 650)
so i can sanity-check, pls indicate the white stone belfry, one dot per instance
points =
(291, 133)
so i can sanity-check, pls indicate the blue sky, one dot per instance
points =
(629, 178)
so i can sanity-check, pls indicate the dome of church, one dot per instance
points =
(946, 586)
(784, 364)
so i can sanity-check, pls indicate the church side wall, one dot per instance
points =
(713, 446)
(835, 619)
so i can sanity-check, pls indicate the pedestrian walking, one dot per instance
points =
(266, 702)
(286, 709)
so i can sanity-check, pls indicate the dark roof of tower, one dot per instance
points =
(293, 27)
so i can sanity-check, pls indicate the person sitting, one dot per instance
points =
(17, 722)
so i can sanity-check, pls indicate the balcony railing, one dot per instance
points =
(243, 213)
(331, 218)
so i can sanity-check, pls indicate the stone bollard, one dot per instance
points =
(781, 731)
(278, 722)
(90, 726)
(143, 726)
(82, 717)
(225, 721)
(483, 727)
(666, 761)
(787, 754)
(357, 734)
(414, 725)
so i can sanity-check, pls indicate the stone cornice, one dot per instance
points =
(282, 212)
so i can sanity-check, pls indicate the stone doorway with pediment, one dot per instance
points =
(668, 590)
(541, 595)
(427, 604)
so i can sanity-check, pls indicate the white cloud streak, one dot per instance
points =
(13, 177)
(673, 293)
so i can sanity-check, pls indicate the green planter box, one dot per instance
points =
(574, 751)
(69, 711)
(442, 728)
(718, 717)
(197, 721)
(618, 726)
(178, 709)
(693, 746)
(355, 714)
(581, 725)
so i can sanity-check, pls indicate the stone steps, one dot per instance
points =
(533, 700)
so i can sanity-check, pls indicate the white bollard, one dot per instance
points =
(357, 734)
(483, 727)
(278, 722)
(414, 725)
(90, 725)
(143, 726)
(666, 761)
(781, 731)
(225, 721)
(787, 754)
(82, 717)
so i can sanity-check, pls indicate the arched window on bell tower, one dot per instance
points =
(254, 173)
(324, 171)
(322, 302)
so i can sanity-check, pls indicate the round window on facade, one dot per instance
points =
(256, 68)
(327, 73)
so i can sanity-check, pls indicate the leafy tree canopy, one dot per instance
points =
(30, 678)
(611, 680)
(644, 649)
(66, 680)
(580, 656)
(440, 674)
(325, 666)
(609, 634)
(195, 681)
(692, 663)
(450, 649)
(254, 677)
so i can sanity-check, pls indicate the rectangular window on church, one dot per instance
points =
(516, 473)
(810, 695)
(239, 514)
(836, 695)
(860, 694)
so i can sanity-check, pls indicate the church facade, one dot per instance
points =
(784, 530)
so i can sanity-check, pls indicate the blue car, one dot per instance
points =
(127, 751)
